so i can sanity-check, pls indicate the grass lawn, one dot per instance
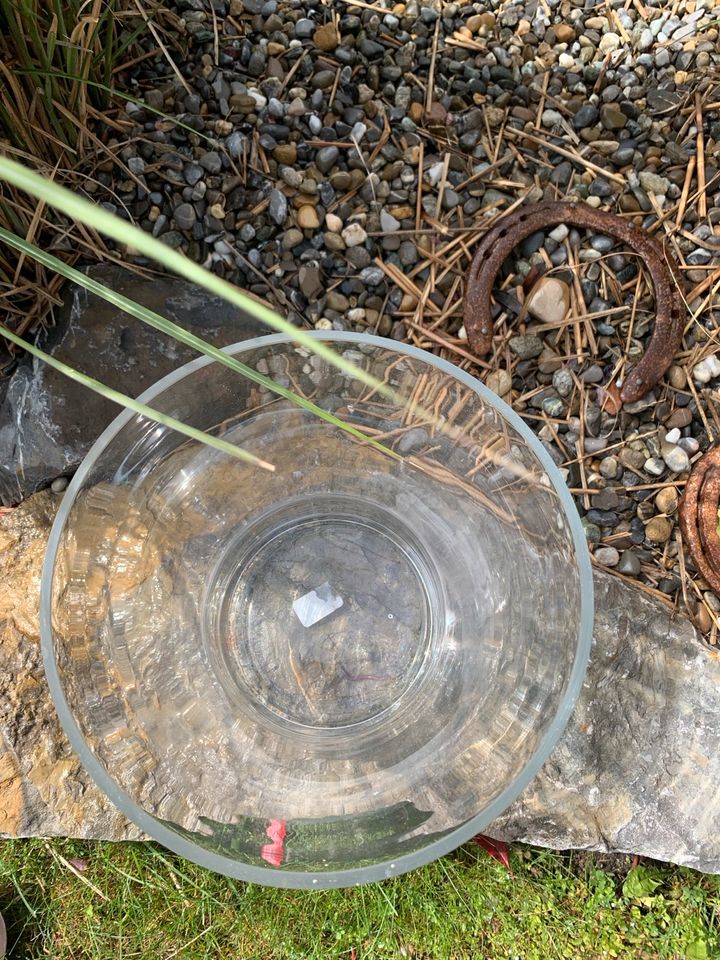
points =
(138, 901)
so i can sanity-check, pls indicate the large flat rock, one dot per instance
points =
(638, 767)
(637, 770)
(44, 791)
(48, 422)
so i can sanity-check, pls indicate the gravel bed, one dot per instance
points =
(342, 161)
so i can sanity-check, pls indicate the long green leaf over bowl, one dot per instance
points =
(135, 405)
(122, 232)
(182, 335)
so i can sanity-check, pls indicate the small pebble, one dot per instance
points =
(679, 418)
(707, 369)
(499, 381)
(658, 529)
(666, 500)
(677, 460)
(653, 183)
(278, 207)
(607, 556)
(563, 381)
(610, 468)
(593, 374)
(549, 301)
(527, 346)
(609, 42)
(690, 445)
(654, 466)
(184, 215)
(553, 406)
(307, 217)
(595, 444)
(353, 235)
(592, 531)
(333, 223)
(628, 564)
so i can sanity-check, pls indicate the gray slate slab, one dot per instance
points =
(48, 422)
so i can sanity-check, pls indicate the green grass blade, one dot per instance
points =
(120, 398)
(122, 232)
(183, 336)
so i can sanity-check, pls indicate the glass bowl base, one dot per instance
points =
(321, 613)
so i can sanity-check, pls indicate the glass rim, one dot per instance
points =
(318, 880)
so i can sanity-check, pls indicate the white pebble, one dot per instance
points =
(433, 173)
(609, 42)
(559, 234)
(672, 436)
(566, 61)
(654, 466)
(646, 39)
(677, 460)
(333, 223)
(354, 235)
(707, 369)
(260, 100)
(551, 118)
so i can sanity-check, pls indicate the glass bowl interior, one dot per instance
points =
(336, 671)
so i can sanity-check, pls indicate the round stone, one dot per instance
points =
(658, 529)
(500, 382)
(666, 500)
(353, 235)
(307, 217)
(677, 460)
(607, 556)
(563, 381)
(549, 301)
(184, 215)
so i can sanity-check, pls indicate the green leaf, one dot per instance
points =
(183, 336)
(641, 882)
(130, 403)
(698, 950)
(122, 232)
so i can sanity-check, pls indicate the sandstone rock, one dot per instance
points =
(326, 37)
(48, 423)
(44, 790)
(636, 770)
(307, 217)
(549, 300)
(499, 381)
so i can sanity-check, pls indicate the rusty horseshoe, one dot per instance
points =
(699, 517)
(501, 239)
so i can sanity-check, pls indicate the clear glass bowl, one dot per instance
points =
(335, 672)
